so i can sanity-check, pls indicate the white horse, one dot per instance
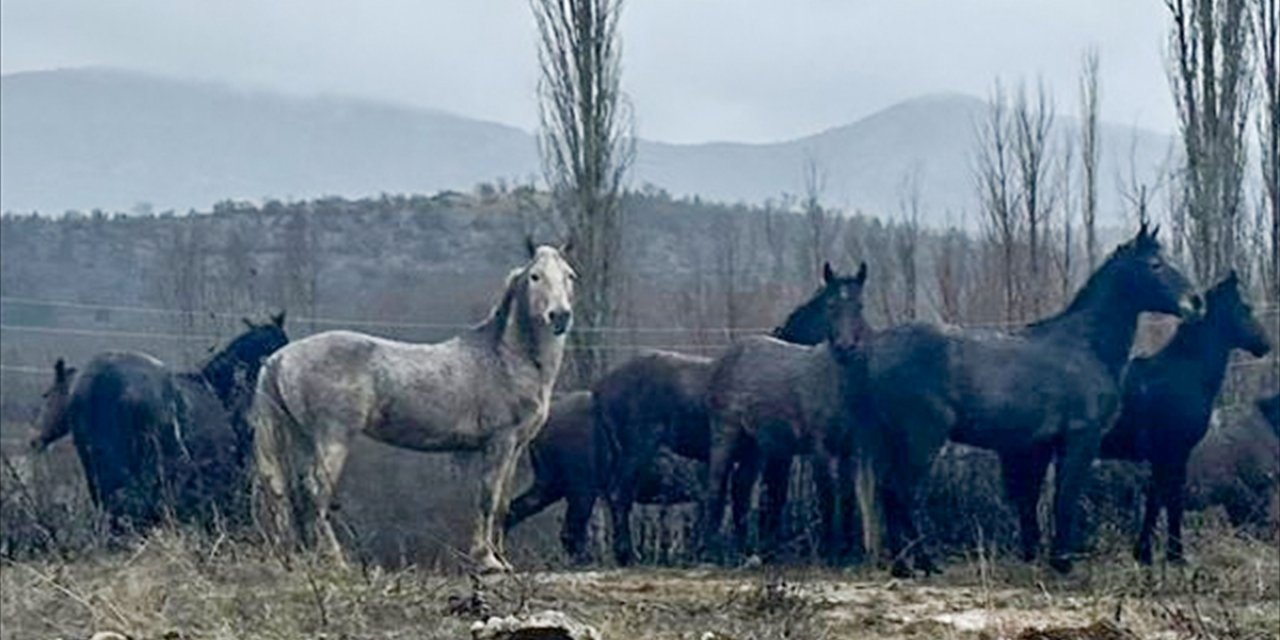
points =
(486, 390)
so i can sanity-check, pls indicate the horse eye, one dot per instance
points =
(535, 277)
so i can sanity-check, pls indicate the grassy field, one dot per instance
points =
(182, 584)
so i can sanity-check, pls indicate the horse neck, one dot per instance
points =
(220, 373)
(1199, 342)
(803, 326)
(510, 334)
(1101, 319)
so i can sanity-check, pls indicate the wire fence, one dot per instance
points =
(726, 333)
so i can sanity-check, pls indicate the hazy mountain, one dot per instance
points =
(94, 138)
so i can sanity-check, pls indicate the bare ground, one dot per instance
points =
(178, 585)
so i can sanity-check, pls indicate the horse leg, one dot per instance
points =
(622, 496)
(824, 479)
(1174, 490)
(1142, 550)
(849, 532)
(577, 517)
(493, 459)
(722, 447)
(897, 513)
(1077, 452)
(530, 503)
(1023, 476)
(323, 481)
(744, 481)
(777, 481)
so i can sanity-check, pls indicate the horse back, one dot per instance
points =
(657, 397)
(122, 411)
(779, 392)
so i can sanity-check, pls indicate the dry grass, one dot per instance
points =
(183, 584)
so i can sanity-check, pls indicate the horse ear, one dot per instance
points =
(1155, 232)
(861, 276)
(530, 246)
(1142, 229)
(827, 274)
(567, 246)
(1232, 277)
(278, 319)
(60, 370)
(248, 323)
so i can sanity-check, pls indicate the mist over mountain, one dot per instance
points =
(111, 139)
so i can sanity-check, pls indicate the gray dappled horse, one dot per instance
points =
(1044, 392)
(771, 400)
(486, 390)
(1168, 400)
(153, 441)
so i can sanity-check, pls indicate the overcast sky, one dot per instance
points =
(696, 70)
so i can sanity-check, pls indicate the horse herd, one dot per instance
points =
(261, 433)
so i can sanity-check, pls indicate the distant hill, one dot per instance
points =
(98, 138)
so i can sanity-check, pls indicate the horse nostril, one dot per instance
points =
(560, 321)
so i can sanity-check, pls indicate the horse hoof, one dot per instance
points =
(1175, 559)
(489, 563)
(900, 570)
(1061, 564)
(752, 561)
(1143, 556)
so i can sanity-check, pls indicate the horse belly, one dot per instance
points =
(427, 430)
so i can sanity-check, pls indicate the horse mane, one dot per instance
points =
(495, 324)
(1093, 287)
(799, 322)
(494, 328)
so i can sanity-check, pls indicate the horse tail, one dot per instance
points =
(273, 490)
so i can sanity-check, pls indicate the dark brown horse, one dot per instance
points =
(771, 400)
(1168, 400)
(154, 442)
(1043, 393)
(570, 464)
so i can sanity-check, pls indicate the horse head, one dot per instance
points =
(52, 423)
(846, 327)
(833, 314)
(237, 364)
(1232, 317)
(1140, 274)
(547, 286)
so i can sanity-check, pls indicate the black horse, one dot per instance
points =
(569, 463)
(1168, 400)
(771, 400)
(1042, 393)
(1270, 410)
(153, 442)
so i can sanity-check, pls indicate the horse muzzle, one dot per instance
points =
(560, 321)
(1190, 306)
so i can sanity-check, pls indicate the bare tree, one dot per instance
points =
(1089, 150)
(1210, 80)
(1066, 255)
(1268, 34)
(994, 174)
(950, 274)
(1033, 128)
(822, 225)
(297, 268)
(906, 241)
(587, 145)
